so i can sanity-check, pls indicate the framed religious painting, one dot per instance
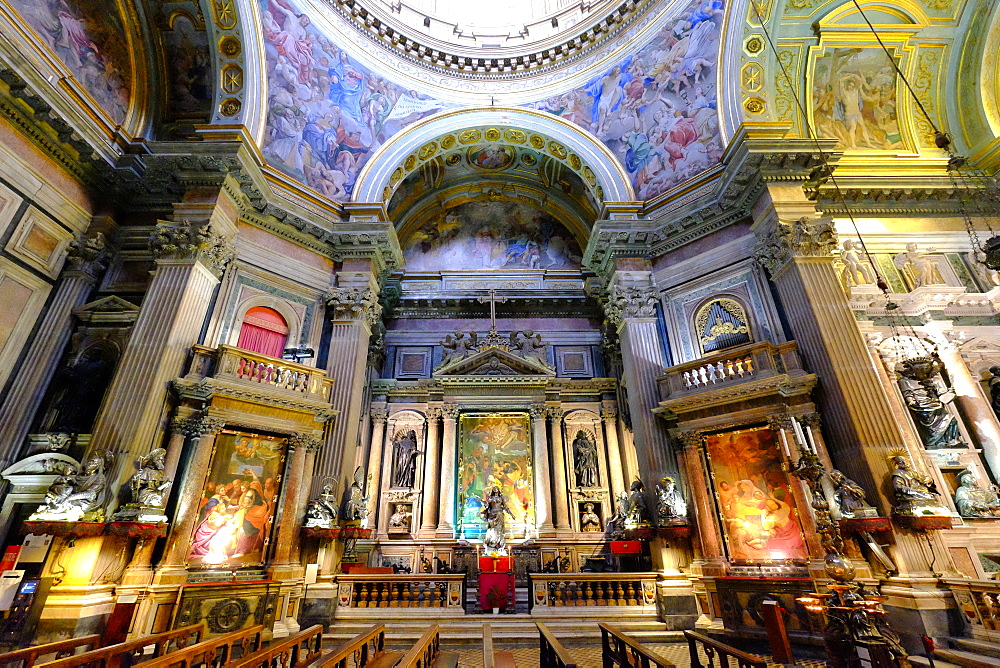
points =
(753, 496)
(237, 504)
(494, 450)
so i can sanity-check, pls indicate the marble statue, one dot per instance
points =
(995, 389)
(914, 492)
(529, 345)
(147, 489)
(494, 507)
(78, 497)
(849, 497)
(638, 514)
(585, 456)
(857, 270)
(971, 500)
(356, 508)
(400, 518)
(937, 426)
(405, 453)
(321, 512)
(920, 267)
(616, 523)
(589, 520)
(977, 260)
(670, 505)
(457, 346)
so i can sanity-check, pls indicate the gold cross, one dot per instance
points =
(492, 299)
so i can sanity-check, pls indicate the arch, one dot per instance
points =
(291, 318)
(733, 324)
(375, 176)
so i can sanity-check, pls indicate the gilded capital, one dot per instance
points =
(189, 241)
(800, 238)
(354, 304)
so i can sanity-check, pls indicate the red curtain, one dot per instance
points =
(264, 331)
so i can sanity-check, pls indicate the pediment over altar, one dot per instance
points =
(497, 365)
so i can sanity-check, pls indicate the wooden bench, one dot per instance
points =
(27, 657)
(427, 652)
(218, 651)
(365, 650)
(713, 648)
(295, 651)
(123, 655)
(620, 649)
(551, 653)
(492, 658)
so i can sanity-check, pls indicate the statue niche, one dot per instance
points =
(585, 459)
(404, 458)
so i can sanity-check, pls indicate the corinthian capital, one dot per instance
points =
(380, 414)
(631, 302)
(304, 440)
(203, 426)
(88, 256)
(800, 238)
(189, 241)
(354, 304)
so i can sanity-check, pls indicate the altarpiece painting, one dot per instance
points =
(754, 497)
(237, 506)
(494, 450)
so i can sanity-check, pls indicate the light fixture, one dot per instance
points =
(298, 354)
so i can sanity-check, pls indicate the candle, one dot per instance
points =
(812, 442)
(784, 444)
(800, 440)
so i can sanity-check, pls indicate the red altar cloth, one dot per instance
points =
(487, 581)
(496, 564)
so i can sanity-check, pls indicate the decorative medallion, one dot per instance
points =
(228, 615)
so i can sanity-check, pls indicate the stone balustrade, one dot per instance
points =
(740, 364)
(593, 589)
(245, 368)
(446, 593)
(979, 602)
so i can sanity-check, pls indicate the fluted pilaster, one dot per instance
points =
(616, 465)
(432, 472)
(543, 478)
(379, 416)
(560, 489)
(449, 452)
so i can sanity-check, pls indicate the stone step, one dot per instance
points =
(966, 658)
(923, 662)
(976, 646)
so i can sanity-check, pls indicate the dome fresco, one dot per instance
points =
(327, 113)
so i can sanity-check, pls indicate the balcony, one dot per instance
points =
(753, 370)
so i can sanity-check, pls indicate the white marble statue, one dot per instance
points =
(77, 497)
(922, 269)
(857, 269)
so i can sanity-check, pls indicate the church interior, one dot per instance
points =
(356, 330)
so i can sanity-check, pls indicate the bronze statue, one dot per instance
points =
(638, 514)
(849, 496)
(405, 453)
(585, 454)
(915, 493)
(937, 426)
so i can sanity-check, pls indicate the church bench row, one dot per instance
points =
(224, 650)
(125, 654)
(26, 658)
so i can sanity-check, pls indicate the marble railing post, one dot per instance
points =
(354, 309)
(559, 470)
(171, 566)
(189, 261)
(379, 416)
(543, 479)
(615, 463)
(975, 408)
(432, 472)
(288, 520)
(84, 265)
(449, 447)
(860, 423)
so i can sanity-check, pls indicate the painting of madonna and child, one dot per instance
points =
(501, 236)
(754, 497)
(237, 506)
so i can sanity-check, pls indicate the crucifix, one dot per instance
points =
(492, 299)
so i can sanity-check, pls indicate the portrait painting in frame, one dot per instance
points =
(754, 497)
(237, 506)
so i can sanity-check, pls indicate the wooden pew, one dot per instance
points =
(551, 653)
(132, 652)
(295, 651)
(427, 652)
(366, 650)
(219, 651)
(620, 649)
(492, 658)
(713, 648)
(26, 658)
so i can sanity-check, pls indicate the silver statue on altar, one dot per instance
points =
(77, 497)
(850, 498)
(495, 539)
(148, 488)
(971, 500)
(356, 508)
(321, 512)
(915, 494)
(670, 505)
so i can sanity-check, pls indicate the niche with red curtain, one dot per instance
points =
(263, 331)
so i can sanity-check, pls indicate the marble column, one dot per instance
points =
(449, 452)
(303, 497)
(974, 406)
(379, 416)
(560, 488)
(616, 465)
(175, 446)
(84, 265)
(709, 534)
(354, 309)
(289, 520)
(543, 478)
(432, 473)
(189, 261)
(861, 428)
(171, 566)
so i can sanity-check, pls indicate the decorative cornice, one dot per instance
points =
(354, 304)
(187, 241)
(801, 238)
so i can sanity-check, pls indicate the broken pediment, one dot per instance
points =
(494, 362)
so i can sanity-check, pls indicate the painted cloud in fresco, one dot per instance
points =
(326, 113)
(89, 38)
(656, 108)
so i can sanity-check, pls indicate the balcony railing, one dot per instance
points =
(243, 367)
(741, 364)
(443, 592)
(979, 602)
(593, 589)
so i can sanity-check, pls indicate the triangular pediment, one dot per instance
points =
(111, 308)
(494, 362)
